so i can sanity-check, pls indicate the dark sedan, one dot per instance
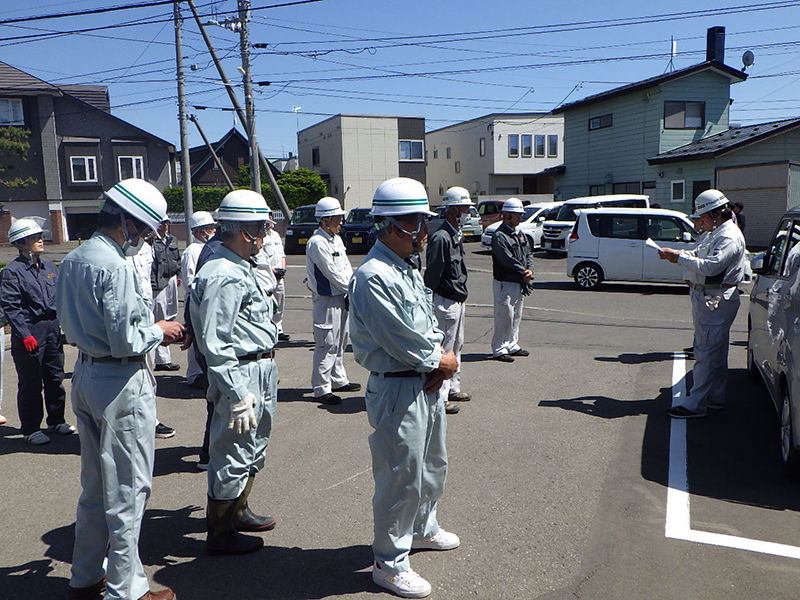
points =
(358, 231)
(302, 226)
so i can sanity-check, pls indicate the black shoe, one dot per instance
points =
(249, 521)
(222, 535)
(350, 387)
(520, 352)
(451, 409)
(200, 383)
(681, 412)
(503, 358)
(458, 397)
(283, 337)
(93, 592)
(168, 367)
(329, 398)
(163, 432)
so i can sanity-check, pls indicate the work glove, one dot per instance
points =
(30, 343)
(243, 417)
(279, 273)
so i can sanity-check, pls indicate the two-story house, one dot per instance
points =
(77, 150)
(503, 154)
(354, 154)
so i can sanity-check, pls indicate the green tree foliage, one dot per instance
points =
(14, 144)
(299, 187)
(203, 198)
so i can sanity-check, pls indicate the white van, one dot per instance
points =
(531, 223)
(554, 233)
(609, 244)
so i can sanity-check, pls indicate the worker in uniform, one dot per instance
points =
(102, 312)
(446, 275)
(328, 274)
(395, 337)
(512, 272)
(27, 296)
(715, 269)
(272, 254)
(165, 282)
(233, 327)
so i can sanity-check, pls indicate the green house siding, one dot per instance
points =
(775, 149)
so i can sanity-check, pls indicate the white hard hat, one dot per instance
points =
(513, 205)
(140, 200)
(328, 207)
(400, 196)
(22, 228)
(243, 205)
(201, 218)
(456, 196)
(708, 201)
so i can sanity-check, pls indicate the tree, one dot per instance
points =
(13, 143)
(299, 187)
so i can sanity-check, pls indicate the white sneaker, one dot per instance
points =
(443, 540)
(406, 584)
(37, 438)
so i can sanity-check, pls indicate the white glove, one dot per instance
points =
(243, 417)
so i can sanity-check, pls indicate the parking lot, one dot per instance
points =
(559, 483)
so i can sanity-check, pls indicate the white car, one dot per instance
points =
(531, 224)
(471, 231)
(609, 244)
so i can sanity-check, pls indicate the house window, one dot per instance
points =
(552, 146)
(411, 150)
(597, 190)
(315, 157)
(435, 154)
(458, 166)
(84, 168)
(684, 115)
(677, 188)
(539, 146)
(449, 152)
(513, 145)
(131, 167)
(482, 147)
(526, 145)
(601, 122)
(631, 187)
(11, 112)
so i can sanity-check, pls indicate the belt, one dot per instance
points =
(258, 355)
(111, 359)
(399, 374)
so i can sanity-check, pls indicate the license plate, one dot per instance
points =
(302, 241)
(357, 240)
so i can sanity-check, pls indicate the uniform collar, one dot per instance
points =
(325, 234)
(391, 256)
(450, 229)
(235, 258)
(109, 242)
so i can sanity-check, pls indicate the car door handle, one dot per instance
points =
(633, 245)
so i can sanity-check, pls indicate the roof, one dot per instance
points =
(358, 116)
(233, 133)
(727, 141)
(96, 95)
(492, 117)
(723, 69)
(20, 83)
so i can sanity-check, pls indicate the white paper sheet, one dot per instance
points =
(652, 244)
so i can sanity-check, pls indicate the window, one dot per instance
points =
(539, 146)
(131, 167)
(411, 150)
(315, 157)
(513, 145)
(527, 150)
(631, 187)
(84, 169)
(597, 190)
(665, 229)
(792, 260)
(449, 152)
(482, 147)
(684, 115)
(435, 154)
(552, 146)
(677, 191)
(601, 122)
(615, 226)
(772, 262)
(458, 166)
(11, 112)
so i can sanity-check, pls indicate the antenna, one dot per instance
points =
(748, 59)
(672, 53)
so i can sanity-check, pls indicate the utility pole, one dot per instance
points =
(217, 161)
(244, 36)
(237, 106)
(186, 169)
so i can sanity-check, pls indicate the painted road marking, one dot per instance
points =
(678, 521)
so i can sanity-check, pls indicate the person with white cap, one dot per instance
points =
(234, 330)
(102, 312)
(715, 269)
(512, 272)
(273, 257)
(395, 337)
(328, 273)
(446, 275)
(27, 296)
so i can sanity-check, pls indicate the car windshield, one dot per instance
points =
(567, 211)
(359, 216)
(530, 211)
(303, 216)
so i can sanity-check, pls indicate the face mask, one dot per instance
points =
(464, 219)
(129, 249)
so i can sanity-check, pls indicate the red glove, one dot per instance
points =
(30, 343)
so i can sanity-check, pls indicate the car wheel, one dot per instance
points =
(790, 457)
(588, 276)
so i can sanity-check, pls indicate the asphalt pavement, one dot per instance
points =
(559, 470)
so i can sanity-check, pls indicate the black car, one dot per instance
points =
(358, 231)
(302, 226)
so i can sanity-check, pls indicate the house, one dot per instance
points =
(77, 150)
(501, 154)
(355, 153)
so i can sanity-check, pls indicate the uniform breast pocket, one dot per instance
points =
(254, 311)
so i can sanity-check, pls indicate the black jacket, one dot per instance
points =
(446, 271)
(512, 254)
(166, 262)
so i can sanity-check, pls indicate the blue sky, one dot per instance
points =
(445, 60)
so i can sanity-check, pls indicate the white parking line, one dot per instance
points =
(678, 521)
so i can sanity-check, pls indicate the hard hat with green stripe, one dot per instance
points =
(400, 196)
(22, 228)
(141, 200)
(243, 205)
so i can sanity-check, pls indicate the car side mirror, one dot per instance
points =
(757, 263)
(540, 219)
(686, 237)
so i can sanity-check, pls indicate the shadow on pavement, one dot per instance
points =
(176, 388)
(636, 359)
(59, 444)
(605, 407)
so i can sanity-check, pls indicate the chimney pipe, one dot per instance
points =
(715, 44)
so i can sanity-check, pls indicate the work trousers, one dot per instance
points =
(330, 339)
(42, 369)
(451, 316)
(409, 464)
(165, 308)
(233, 456)
(115, 409)
(280, 301)
(711, 340)
(508, 302)
(2, 361)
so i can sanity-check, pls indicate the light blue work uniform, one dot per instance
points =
(100, 306)
(715, 268)
(393, 330)
(232, 320)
